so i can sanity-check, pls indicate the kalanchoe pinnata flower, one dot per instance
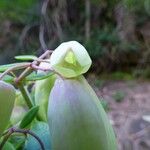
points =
(70, 59)
(7, 99)
(76, 118)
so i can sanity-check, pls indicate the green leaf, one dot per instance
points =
(7, 66)
(28, 118)
(18, 141)
(41, 129)
(34, 76)
(25, 57)
(8, 146)
(8, 78)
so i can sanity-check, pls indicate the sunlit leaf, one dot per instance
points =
(8, 146)
(25, 57)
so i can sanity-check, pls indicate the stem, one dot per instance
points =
(5, 139)
(87, 21)
(41, 60)
(28, 70)
(23, 131)
(41, 68)
(37, 138)
(25, 94)
(19, 66)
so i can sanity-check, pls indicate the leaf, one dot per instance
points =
(18, 141)
(7, 66)
(41, 129)
(34, 76)
(8, 146)
(28, 118)
(25, 57)
(8, 78)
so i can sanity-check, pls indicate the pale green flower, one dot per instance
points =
(70, 59)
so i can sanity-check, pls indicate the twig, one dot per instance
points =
(23, 131)
(24, 33)
(87, 19)
(5, 139)
(41, 60)
(37, 138)
(41, 37)
(6, 132)
(58, 26)
(44, 7)
(42, 27)
(28, 70)
(46, 69)
(40, 68)
(45, 17)
(140, 133)
(19, 66)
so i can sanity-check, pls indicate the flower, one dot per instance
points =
(70, 59)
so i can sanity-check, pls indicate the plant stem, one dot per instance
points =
(19, 66)
(27, 97)
(23, 131)
(5, 139)
(25, 94)
(28, 70)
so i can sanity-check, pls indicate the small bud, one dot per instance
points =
(70, 59)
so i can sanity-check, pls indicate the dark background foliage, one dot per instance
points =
(115, 32)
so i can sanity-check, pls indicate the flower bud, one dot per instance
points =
(70, 59)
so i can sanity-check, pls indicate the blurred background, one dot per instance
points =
(116, 34)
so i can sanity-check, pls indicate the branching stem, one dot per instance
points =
(23, 131)
(28, 70)
(19, 66)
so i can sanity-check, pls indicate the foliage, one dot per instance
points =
(39, 25)
(138, 6)
(22, 11)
